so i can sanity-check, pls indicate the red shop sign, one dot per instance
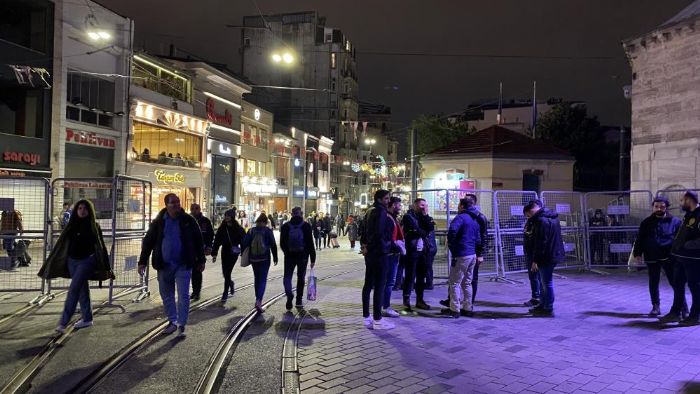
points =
(225, 118)
(93, 139)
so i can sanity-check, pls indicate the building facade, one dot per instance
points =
(665, 97)
(255, 175)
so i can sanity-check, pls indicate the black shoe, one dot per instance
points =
(449, 313)
(690, 321)
(445, 302)
(194, 297)
(466, 313)
(532, 302)
(289, 303)
(407, 303)
(232, 290)
(422, 305)
(429, 287)
(299, 306)
(671, 317)
(542, 312)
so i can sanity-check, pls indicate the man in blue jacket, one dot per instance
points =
(462, 240)
(653, 246)
(544, 250)
(686, 251)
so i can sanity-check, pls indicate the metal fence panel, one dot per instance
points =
(572, 218)
(23, 202)
(510, 223)
(613, 223)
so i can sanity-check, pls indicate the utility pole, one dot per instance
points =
(623, 156)
(414, 164)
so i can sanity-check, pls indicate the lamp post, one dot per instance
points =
(370, 142)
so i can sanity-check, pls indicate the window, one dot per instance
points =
(22, 111)
(158, 79)
(251, 167)
(263, 139)
(281, 170)
(26, 24)
(333, 63)
(90, 99)
(333, 84)
(163, 146)
(240, 166)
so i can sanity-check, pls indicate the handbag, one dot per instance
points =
(235, 249)
(311, 292)
(244, 258)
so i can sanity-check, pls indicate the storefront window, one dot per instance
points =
(22, 111)
(155, 144)
(87, 162)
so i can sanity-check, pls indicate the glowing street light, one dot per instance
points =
(99, 35)
(276, 58)
(286, 58)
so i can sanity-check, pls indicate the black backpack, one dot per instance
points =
(295, 244)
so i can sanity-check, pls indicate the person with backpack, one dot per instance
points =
(207, 230)
(228, 237)
(297, 244)
(261, 241)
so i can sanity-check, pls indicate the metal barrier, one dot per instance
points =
(572, 218)
(24, 204)
(613, 224)
(510, 222)
(122, 208)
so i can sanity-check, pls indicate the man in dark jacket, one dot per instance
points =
(462, 239)
(544, 250)
(378, 242)
(176, 243)
(686, 251)
(653, 246)
(207, 231)
(416, 235)
(297, 243)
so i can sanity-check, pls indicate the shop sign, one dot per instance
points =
(93, 139)
(283, 191)
(225, 118)
(312, 193)
(259, 188)
(168, 177)
(31, 159)
(256, 114)
(86, 185)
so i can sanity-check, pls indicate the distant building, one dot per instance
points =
(666, 102)
(498, 158)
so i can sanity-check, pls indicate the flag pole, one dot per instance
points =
(534, 108)
(499, 115)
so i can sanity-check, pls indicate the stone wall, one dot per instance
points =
(666, 107)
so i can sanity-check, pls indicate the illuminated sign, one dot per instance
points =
(168, 118)
(283, 190)
(225, 118)
(31, 159)
(260, 186)
(93, 139)
(256, 114)
(165, 177)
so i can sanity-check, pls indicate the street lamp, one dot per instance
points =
(370, 142)
(283, 57)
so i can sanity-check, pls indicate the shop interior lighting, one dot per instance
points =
(139, 58)
(223, 100)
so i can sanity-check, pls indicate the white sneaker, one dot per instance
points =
(368, 321)
(60, 329)
(182, 332)
(82, 324)
(390, 312)
(382, 325)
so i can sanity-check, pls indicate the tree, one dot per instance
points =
(436, 131)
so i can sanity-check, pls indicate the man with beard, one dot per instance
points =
(686, 251)
(653, 246)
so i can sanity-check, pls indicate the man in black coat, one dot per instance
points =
(176, 242)
(415, 228)
(207, 230)
(297, 243)
(544, 250)
(686, 252)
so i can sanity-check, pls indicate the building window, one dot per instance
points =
(159, 79)
(251, 168)
(333, 84)
(22, 111)
(159, 145)
(333, 63)
(26, 24)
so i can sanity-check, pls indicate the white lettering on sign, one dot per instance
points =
(256, 114)
(618, 209)
(516, 210)
(620, 248)
(562, 208)
(259, 188)
(224, 149)
(94, 139)
(162, 176)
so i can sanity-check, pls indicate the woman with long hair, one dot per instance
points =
(228, 236)
(261, 241)
(79, 254)
(10, 228)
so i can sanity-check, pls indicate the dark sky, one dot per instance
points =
(412, 85)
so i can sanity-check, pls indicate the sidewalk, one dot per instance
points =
(600, 341)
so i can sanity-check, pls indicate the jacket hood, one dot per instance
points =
(295, 220)
(546, 213)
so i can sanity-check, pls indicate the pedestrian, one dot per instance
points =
(398, 249)
(79, 254)
(273, 220)
(228, 237)
(653, 246)
(544, 250)
(415, 264)
(597, 237)
(177, 246)
(377, 244)
(10, 228)
(207, 230)
(297, 244)
(481, 248)
(261, 242)
(462, 240)
(352, 231)
(431, 251)
(317, 228)
(327, 228)
(243, 220)
(686, 252)
(65, 217)
(340, 222)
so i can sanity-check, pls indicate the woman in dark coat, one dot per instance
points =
(260, 262)
(79, 254)
(229, 237)
(317, 229)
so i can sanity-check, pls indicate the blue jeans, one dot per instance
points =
(390, 278)
(168, 277)
(546, 274)
(79, 290)
(260, 271)
(535, 285)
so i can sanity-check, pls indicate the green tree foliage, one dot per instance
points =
(436, 131)
(569, 127)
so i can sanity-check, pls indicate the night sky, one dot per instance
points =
(587, 33)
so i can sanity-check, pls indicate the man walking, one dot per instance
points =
(462, 239)
(653, 246)
(176, 242)
(544, 250)
(686, 251)
(297, 243)
(416, 246)
(377, 245)
(207, 230)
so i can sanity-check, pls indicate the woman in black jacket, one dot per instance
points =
(229, 236)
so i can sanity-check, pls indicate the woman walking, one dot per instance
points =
(352, 231)
(79, 254)
(261, 241)
(229, 237)
(317, 229)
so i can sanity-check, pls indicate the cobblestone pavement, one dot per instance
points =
(601, 341)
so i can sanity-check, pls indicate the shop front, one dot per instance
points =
(257, 194)
(223, 177)
(89, 155)
(312, 195)
(281, 199)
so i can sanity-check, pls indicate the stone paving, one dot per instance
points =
(601, 341)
